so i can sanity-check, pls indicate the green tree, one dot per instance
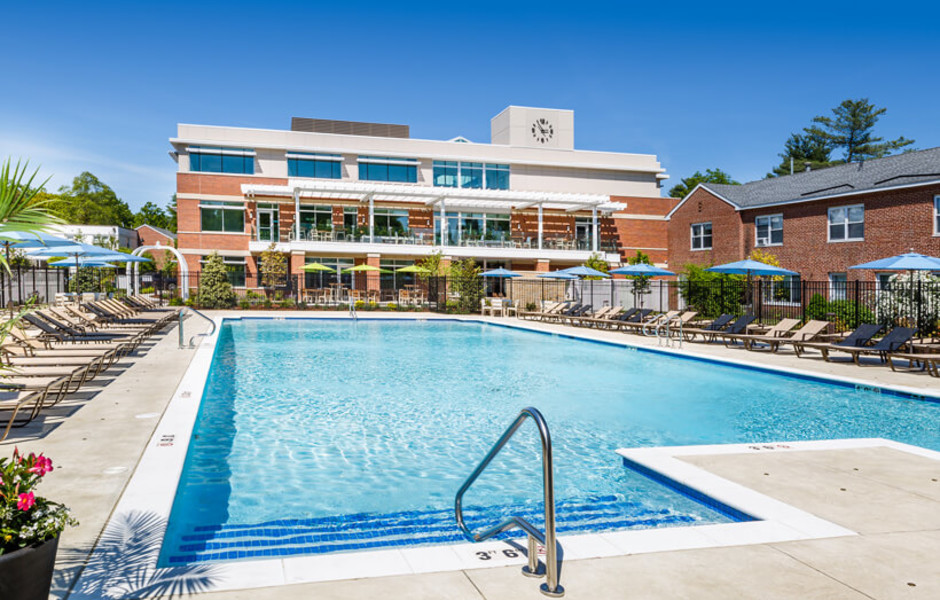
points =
(466, 282)
(24, 205)
(433, 263)
(803, 149)
(641, 283)
(273, 267)
(850, 129)
(89, 201)
(682, 189)
(215, 290)
(596, 262)
(151, 214)
(171, 214)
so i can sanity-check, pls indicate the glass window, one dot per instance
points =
(702, 236)
(235, 266)
(373, 168)
(350, 218)
(837, 284)
(320, 166)
(497, 177)
(445, 173)
(496, 227)
(847, 223)
(936, 215)
(884, 281)
(786, 288)
(222, 160)
(322, 279)
(768, 230)
(228, 217)
(390, 222)
(315, 218)
(471, 175)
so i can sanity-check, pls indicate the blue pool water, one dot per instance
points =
(323, 436)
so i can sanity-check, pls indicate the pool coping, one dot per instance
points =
(152, 490)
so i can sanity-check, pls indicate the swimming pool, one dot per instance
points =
(323, 436)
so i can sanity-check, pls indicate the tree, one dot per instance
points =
(24, 207)
(171, 214)
(151, 214)
(273, 267)
(466, 282)
(640, 282)
(596, 262)
(433, 263)
(801, 149)
(215, 290)
(682, 189)
(850, 130)
(91, 202)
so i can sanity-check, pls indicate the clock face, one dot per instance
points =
(542, 130)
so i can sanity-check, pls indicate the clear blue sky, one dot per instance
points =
(101, 86)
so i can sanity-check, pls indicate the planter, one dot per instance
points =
(26, 574)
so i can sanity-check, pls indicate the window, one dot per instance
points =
(768, 230)
(390, 222)
(235, 265)
(784, 289)
(470, 175)
(322, 279)
(702, 236)
(838, 282)
(936, 215)
(350, 218)
(463, 227)
(226, 217)
(315, 218)
(847, 223)
(222, 160)
(884, 281)
(376, 168)
(321, 166)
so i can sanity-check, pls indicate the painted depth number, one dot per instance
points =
(508, 553)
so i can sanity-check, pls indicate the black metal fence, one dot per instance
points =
(22, 284)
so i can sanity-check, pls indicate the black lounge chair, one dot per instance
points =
(893, 341)
(717, 325)
(638, 316)
(860, 337)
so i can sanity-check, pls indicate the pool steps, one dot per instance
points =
(290, 537)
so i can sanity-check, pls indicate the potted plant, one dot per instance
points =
(29, 528)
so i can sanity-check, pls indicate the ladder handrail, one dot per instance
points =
(551, 586)
(182, 335)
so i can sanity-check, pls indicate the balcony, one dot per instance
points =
(422, 243)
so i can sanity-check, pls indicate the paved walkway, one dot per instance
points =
(891, 498)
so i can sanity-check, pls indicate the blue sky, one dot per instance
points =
(101, 86)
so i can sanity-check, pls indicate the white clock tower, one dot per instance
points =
(533, 127)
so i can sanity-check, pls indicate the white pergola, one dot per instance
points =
(441, 198)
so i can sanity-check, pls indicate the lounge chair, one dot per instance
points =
(52, 326)
(629, 320)
(783, 327)
(717, 325)
(926, 362)
(654, 321)
(807, 333)
(23, 403)
(860, 337)
(605, 315)
(893, 341)
(551, 308)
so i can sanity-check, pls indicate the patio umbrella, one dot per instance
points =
(749, 267)
(81, 262)
(585, 271)
(557, 275)
(414, 269)
(500, 272)
(909, 261)
(27, 239)
(315, 266)
(74, 250)
(121, 257)
(361, 268)
(641, 270)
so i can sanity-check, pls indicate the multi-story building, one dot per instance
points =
(346, 193)
(818, 223)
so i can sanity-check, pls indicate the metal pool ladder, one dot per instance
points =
(192, 340)
(551, 587)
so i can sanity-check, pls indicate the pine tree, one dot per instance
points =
(682, 189)
(215, 290)
(802, 150)
(850, 130)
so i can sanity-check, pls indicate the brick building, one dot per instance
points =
(345, 193)
(818, 223)
(151, 235)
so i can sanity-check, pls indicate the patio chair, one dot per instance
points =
(737, 326)
(893, 341)
(807, 333)
(780, 329)
(717, 325)
(916, 361)
(23, 403)
(637, 316)
(860, 337)
(654, 321)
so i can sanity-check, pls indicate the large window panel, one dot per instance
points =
(471, 175)
(702, 236)
(226, 217)
(768, 230)
(222, 160)
(847, 223)
(497, 177)
(400, 170)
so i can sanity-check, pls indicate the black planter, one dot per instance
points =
(26, 574)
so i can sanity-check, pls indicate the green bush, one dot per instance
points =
(286, 303)
(148, 290)
(467, 283)
(215, 291)
(712, 294)
(244, 303)
(840, 312)
(360, 304)
(176, 301)
(817, 308)
(391, 306)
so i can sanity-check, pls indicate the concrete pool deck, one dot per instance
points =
(890, 498)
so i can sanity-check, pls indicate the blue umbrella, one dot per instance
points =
(584, 271)
(80, 262)
(910, 261)
(121, 257)
(557, 275)
(74, 249)
(31, 239)
(500, 272)
(749, 267)
(641, 269)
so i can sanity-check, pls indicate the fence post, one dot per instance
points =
(920, 302)
(760, 301)
(857, 310)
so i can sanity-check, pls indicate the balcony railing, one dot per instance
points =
(430, 239)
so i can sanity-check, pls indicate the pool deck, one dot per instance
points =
(889, 497)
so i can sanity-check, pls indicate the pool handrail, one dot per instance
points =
(551, 587)
(192, 340)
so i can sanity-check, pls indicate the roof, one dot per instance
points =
(159, 230)
(453, 198)
(902, 170)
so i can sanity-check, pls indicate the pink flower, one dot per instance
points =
(41, 465)
(26, 501)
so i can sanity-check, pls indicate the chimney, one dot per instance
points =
(808, 166)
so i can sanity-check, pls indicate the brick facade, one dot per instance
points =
(895, 222)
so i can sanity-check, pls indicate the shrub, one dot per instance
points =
(148, 290)
(531, 306)
(360, 304)
(467, 283)
(244, 303)
(842, 313)
(176, 301)
(286, 303)
(391, 306)
(215, 291)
